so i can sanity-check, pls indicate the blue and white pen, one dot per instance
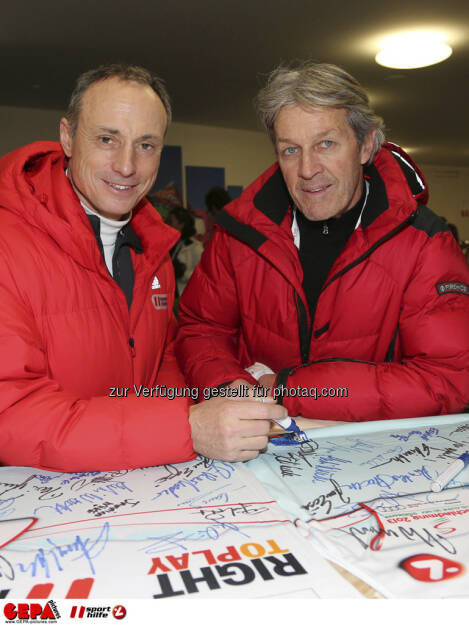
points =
(450, 472)
(288, 424)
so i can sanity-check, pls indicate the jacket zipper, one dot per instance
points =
(378, 243)
(305, 332)
(292, 370)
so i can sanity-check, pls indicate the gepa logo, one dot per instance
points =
(31, 611)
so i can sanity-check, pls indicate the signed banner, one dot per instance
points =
(408, 541)
(412, 546)
(339, 467)
(202, 528)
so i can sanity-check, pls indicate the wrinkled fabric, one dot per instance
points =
(67, 337)
(381, 330)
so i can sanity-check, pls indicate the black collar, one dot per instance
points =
(334, 227)
(126, 235)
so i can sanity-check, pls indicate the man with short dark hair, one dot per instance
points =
(329, 281)
(88, 379)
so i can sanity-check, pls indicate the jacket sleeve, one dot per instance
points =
(43, 425)
(430, 375)
(209, 321)
(169, 373)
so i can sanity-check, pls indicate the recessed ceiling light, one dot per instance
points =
(413, 49)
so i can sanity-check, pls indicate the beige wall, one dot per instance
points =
(449, 194)
(19, 126)
(244, 154)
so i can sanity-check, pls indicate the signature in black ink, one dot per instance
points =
(453, 451)
(221, 513)
(88, 479)
(292, 463)
(107, 507)
(409, 533)
(461, 428)
(323, 503)
(405, 456)
(173, 471)
(6, 487)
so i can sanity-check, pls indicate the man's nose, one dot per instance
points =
(310, 165)
(124, 162)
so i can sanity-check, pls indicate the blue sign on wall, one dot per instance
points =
(199, 181)
(170, 171)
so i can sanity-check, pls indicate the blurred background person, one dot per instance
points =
(215, 200)
(188, 250)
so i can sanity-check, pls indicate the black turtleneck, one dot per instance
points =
(320, 244)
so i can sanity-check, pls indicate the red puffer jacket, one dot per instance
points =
(392, 321)
(67, 336)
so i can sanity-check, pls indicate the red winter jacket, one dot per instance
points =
(392, 320)
(66, 331)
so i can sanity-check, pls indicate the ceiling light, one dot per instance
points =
(413, 49)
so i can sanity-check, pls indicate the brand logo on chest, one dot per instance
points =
(160, 301)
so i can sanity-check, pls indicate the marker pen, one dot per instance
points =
(450, 472)
(288, 424)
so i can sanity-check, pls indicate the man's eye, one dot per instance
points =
(289, 151)
(147, 146)
(105, 140)
(326, 143)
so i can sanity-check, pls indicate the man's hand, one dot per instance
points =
(232, 429)
(253, 392)
(268, 380)
(240, 382)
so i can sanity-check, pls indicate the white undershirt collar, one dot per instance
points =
(108, 231)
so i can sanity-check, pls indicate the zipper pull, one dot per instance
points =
(132, 346)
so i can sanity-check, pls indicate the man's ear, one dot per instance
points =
(367, 147)
(66, 136)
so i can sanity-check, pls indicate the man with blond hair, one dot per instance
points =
(329, 281)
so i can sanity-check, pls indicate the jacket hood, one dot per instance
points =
(34, 186)
(260, 216)
(402, 176)
(396, 178)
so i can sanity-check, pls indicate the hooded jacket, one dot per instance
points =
(73, 356)
(390, 334)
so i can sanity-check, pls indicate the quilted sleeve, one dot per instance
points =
(431, 373)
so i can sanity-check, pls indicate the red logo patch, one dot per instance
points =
(160, 302)
(431, 568)
(118, 611)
